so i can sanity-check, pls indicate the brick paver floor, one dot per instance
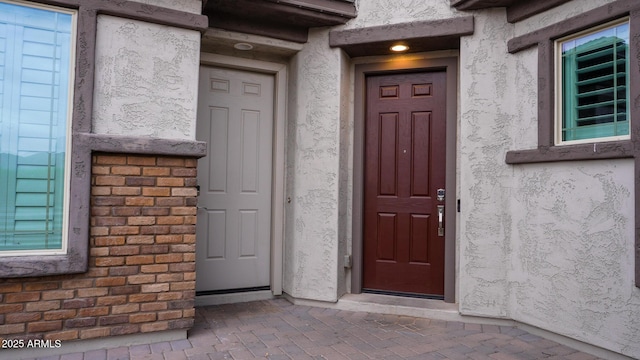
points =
(276, 329)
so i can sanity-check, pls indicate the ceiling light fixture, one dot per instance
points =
(399, 48)
(243, 46)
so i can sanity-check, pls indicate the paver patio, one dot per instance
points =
(276, 329)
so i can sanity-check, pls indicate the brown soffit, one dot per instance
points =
(481, 4)
(341, 8)
(521, 10)
(517, 10)
(419, 36)
(281, 19)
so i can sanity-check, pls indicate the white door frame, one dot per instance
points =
(279, 119)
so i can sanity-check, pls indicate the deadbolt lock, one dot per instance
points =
(440, 194)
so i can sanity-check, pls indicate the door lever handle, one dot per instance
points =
(440, 220)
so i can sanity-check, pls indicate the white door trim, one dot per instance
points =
(277, 195)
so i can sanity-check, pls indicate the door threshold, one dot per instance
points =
(403, 294)
(232, 298)
(400, 305)
(233, 291)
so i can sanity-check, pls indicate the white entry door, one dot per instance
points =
(233, 233)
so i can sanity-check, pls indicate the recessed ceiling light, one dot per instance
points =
(399, 48)
(243, 46)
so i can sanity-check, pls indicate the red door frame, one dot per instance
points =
(448, 62)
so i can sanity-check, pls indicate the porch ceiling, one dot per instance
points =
(281, 19)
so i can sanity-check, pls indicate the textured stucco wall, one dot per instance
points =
(314, 130)
(572, 264)
(384, 12)
(566, 10)
(549, 245)
(487, 109)
(572, 269)
(146, 79)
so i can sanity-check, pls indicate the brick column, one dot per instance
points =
(141, 275)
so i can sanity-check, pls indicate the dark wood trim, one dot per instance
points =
(85, 68)
(420, 36)
(546, 93)
(140, 145)
(574, 24)
(280, 19)
(286, 32)
(634, 80)
(525, 9)
(592, 151)
(44, 265)
(636, 164)
(459, 26)
(60, 3)
(339, 8)
(76, 259)
(517, 10)
(137, 11)
(450, 65)
(479, 4)
(151, 14)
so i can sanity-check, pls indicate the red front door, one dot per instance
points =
(404, 168)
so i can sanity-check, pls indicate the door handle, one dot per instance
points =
(440, 220)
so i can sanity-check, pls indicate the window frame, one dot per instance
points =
(75, 258)
(544, 39)
(68, 134)
(83, 142)
(559, 77)
(546, 151)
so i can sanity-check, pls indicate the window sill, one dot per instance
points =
(592, 151)
(42, 265)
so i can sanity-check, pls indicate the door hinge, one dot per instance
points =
(347, 261)
(458, 205)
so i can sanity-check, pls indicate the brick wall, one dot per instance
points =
(141, 275)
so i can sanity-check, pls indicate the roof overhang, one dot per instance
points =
(281, 19)
(517, 10)
(420, 36)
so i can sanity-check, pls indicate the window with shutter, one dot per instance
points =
(593, 85)
(35, 77)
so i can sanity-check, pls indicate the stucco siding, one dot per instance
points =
(145, 76)
(550, 245)
(573, 240)
(564, 11)
(385, 12)
(572, 264)
(312, 238)
(486, 112)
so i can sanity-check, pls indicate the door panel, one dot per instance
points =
(235, 117)
(404, 167)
